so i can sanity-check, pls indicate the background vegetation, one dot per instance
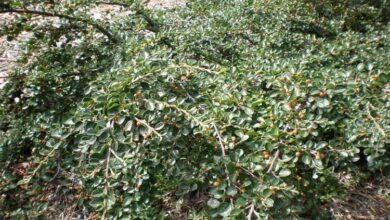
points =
(220, 109)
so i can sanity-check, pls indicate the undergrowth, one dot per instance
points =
(220, 109)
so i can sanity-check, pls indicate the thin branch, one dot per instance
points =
(44, 161)
(220, 140)
(276, 156)
(250, 173)
(141, 77)
(252, 208)
(117, 157)
(369, 107)
(113, 3)
(203, 125)
(54, 14)
(107, 185)
(195, 67)
(8, 59)
(153, 25)
(252, 211)
(143, 122)
(59, 169)
(223, 152)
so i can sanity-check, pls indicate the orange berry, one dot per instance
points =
(138, 93)
(293, 103)
(294, 132)
(266, 154)
(217, 183)
(318, 156)
(322, 94)
(310, 129)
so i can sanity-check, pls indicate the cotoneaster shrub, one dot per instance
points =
(233, 109)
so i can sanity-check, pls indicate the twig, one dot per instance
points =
(252, 208)
(369, 107)
(59, 169)
(148, 126)
(252, 211)
(107, 186)
(220, 140)
(203, 125)
(113, 3)
(141, 77)
(117, 157)
(276, 156)
(7, 59)
(187, 93)
(249, 172)
(40, 165)
(219, 137)
(195, 67)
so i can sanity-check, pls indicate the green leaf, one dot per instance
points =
(267, 193)
(275, 132)
(128, 126)
(360, 67)
(268, 202)
(225, 209)
(231, 191)
(149, 105)
(306, 159)
(213, 203)
(248, 111)
(323, 103)
(284, 172)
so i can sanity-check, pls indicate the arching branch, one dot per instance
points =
(58, 15)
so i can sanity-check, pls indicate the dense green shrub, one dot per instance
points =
(220, 109)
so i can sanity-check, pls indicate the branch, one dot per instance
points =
(149, 127)
(54, 14)
(249, 172)
(276, 156)
(107, 185)
(194, 67)
(223, 152)
(44, 161)
(203, 125)
(153, 25)
(369, 107)
(117, 157)
(220, 140)
(252, 208)
(59, 169)
(113, 3)
(7, 59)
(252, 211)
